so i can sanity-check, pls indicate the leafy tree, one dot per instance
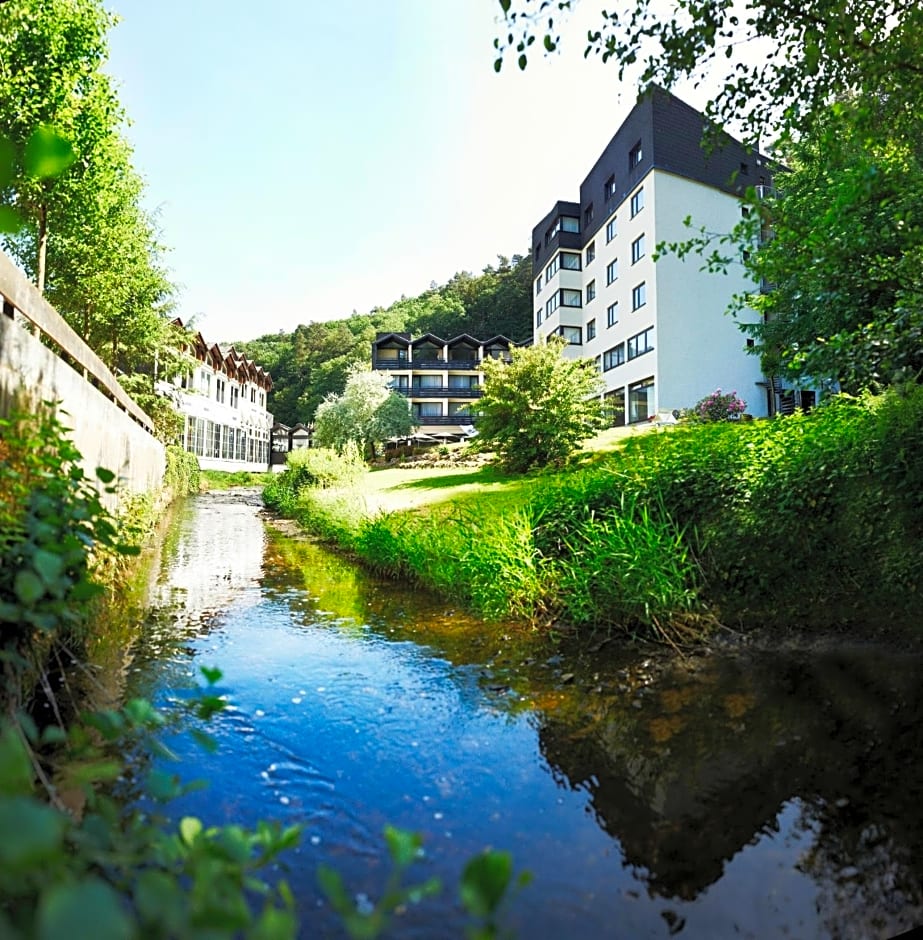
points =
(51, 54)
(780, 62)
(367, 412)
(843, 259)
(536, 410)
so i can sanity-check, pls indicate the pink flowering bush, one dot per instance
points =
(719, 406)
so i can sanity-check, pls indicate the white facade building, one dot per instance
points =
(223, 402)
(659, 331)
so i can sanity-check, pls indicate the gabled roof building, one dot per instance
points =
(441, 378)
(223, 403)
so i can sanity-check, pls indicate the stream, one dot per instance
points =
(744, 793)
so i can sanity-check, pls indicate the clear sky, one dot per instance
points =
(309, 158)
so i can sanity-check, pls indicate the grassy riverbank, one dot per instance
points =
(813, 521)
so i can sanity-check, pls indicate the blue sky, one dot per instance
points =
(308, 159)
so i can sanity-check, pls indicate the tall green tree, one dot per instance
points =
(844, 304)
(51, 56)
(539, 408)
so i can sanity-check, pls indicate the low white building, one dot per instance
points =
(223, 402)
(658, 331)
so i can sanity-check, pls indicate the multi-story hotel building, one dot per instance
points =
(223, 402)
(658, 331)
(441, 378)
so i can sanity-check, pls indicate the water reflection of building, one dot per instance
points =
(218, 556)
(703, 765)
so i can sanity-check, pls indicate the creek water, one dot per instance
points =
(744, 794)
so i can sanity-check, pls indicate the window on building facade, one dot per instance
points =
(609, 188)
(591, 291)
(641, 400)
(610, 229)
(219, 390)
(591, 252)
(635, 156)
(571, 298)
(612, 271)
(538, 317)
(570, 260)
(538, 285)
(570, 223)
(614, 407)
(637, 202)
(591, 329)
(637, 249)
(613, 357)
(641, 343)
(573, 334)
(588, 215)
(612, 314)
(552, 303)
(639, 296)
(552, 268)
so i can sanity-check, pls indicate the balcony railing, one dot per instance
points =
(391, 365)
(433, 420)
(439, 391)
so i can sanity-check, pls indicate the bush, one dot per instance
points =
(719, 407)
(319, 467)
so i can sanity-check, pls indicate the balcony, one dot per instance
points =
(436, 420)
(440, 391)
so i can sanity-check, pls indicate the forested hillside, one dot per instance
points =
(313, 360)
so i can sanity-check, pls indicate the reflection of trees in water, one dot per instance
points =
(690, 769)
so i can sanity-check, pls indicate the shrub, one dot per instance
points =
(719, 407)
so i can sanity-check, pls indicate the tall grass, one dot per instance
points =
(811, 521)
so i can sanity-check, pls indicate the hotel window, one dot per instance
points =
(609, 188)
(572, 334)
(637, 249)
(571, 298)
(569, 223)
(614, 407)
(639, 296)
(640, 343)
(610, 229)
(570, 260)
(552, 268)
(637, 202)
(538, 317)
(552, 304)
(591, 330)
(641, 400)
(591, 252)
(613, 357)
(588, 215)
(591, 291)
(612, 314)
(612, 271)
(538, 285)
(635, 156)
(219, 391)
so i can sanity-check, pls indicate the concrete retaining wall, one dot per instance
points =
(107, 427)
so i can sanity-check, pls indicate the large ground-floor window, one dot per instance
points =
(641, 400)
(210, 439)
(614, 407)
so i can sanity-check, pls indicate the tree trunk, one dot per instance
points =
(42, 248)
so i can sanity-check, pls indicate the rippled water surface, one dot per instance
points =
(729, 796)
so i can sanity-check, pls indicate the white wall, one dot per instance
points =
(700, 346)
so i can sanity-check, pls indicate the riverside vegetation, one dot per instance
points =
(812, 521)
(76, 862)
